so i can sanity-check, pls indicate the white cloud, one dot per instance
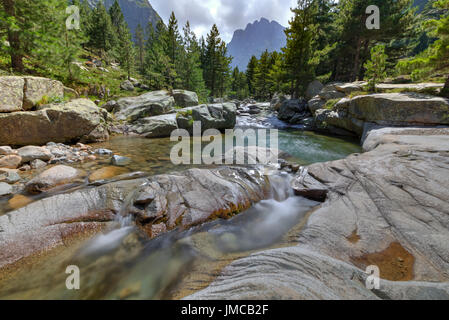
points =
(229, 15)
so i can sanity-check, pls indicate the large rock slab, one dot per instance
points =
(156, 127)
(398, 109)
(159, 204)
(52, 222)
(37, 88)
(388, 207)
(313, 89)
(184, 98)
(291, 110)
(196, 196)
(387, 109)
(218, 116)
(147, 105)
(67, 122)
(23, 93)
(11, 94)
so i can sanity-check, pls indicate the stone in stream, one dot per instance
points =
(316, 103)
(12, 94)
(37, 164)
(7, 150)
(213, 116)
(103, 151)
(5, 189)
(156, 127)
(23, 93)
(387, 207)
(36, 88)
(296, 109)
(10, 177)
(120, 161)
(52, 222)
(313, 89)
(30, 153)
(19, 201)
(106, 173)
(55, 176)
(11, 162)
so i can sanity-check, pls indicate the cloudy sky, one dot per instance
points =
(229, 15)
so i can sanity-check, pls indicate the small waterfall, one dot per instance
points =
(110, 240)
(280, 186)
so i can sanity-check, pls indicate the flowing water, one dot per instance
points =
(123, 264)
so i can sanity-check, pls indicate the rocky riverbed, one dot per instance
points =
(305, 229)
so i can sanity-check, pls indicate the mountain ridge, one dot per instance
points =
(257, 37)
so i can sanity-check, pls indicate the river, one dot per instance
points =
(123, 264)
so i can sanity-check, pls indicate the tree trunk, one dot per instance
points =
(356, 70)
(14, 39)
(445, 90)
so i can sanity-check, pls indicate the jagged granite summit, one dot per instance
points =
(256, 38)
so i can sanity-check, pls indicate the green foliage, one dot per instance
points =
(239, 85)
(101, 32)
(299, 49)
(330, 104)
(436, 57)
(216, 64)
(376, 67)
(190, 71)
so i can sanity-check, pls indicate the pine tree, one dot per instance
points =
(262, 75)
(277, 74)
(250, 75)
(101, 32)
(356, 39)
(122, 44)
(140, 43)
(190, 64)
(216, 66)
(117, 17)
(376, 67)
(127, 53)
(298, 51)
(159, 69)
(30, 27)
(239, 85)
(223, 70)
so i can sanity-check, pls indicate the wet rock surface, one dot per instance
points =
(158, 204)
(49, 223)
(387, 207)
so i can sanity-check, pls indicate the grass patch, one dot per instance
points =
(330, 104)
